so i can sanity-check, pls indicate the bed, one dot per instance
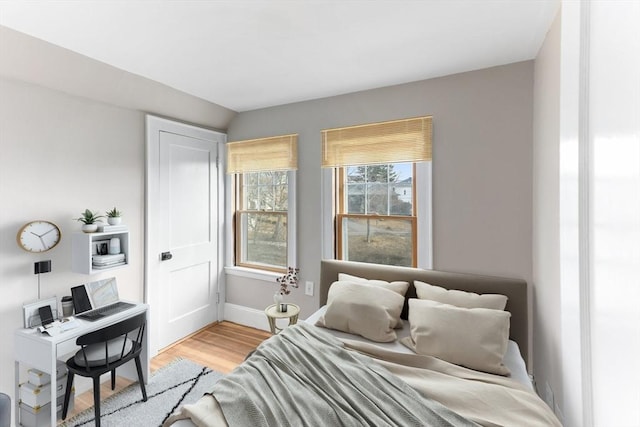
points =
(361, 370)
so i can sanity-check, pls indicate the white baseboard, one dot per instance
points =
(246, 316)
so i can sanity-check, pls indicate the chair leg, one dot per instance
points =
(96, 399)
(141, 379)
(113, 379)
(67, 394)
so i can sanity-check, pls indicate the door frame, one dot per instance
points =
(152, 249)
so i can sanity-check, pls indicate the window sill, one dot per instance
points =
(251, 273)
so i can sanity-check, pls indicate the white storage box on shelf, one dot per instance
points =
(37, 396)
(40, 417)
(37, 377)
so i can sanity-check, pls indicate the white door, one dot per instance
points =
(183, 252)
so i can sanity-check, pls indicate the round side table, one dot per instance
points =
(273, 314)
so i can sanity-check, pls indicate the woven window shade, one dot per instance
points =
(264, 154)
(396, 141)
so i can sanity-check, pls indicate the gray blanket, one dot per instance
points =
(305, 377)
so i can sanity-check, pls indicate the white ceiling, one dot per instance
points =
(249, 54)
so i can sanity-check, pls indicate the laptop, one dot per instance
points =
(95, 300)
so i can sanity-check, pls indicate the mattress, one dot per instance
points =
(307, 365)
(512, 359)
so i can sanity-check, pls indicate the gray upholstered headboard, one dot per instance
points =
(514, 289)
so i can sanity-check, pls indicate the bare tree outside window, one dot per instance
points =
(262, 220)
(377, 219)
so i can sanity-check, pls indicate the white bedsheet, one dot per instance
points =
(512, 359)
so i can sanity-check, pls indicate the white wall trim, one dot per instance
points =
(222, 246)
(246, 316)
(575, 256)
(155, 125)
(424, 205)
(252, 273)
(327, 195)
(292, 219)
(584, 210)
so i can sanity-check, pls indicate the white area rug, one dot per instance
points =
(180, 382)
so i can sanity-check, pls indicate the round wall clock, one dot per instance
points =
(38, 236)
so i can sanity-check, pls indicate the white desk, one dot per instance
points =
(40, 351)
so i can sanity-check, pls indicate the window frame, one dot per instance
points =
(234, 265)
(341, 214)
(423, 243)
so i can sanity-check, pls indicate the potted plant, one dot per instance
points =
(89, 219)
(114, 216)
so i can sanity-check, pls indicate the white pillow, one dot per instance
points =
(396, 286)
(460, 298)
(369, 311)
(473, 337)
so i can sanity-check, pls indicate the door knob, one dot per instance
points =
(164, 256)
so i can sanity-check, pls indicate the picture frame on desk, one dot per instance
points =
(30, 311)
(100, 247)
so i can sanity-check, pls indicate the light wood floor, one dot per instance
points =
(221, 347)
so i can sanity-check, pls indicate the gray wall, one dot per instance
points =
(70, 141)
(482, 178)
(547, 335)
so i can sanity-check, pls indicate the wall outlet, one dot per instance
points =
(308, 288)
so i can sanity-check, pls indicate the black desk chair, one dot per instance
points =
(103, 351)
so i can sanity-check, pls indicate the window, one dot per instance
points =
(264, 212)
(382, 188)
(376, 220)
(261, 221)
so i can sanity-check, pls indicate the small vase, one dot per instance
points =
(90, 228)
(277, 298)
(114, 220)
(114, 246)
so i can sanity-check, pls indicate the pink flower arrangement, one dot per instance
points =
(289, 279)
